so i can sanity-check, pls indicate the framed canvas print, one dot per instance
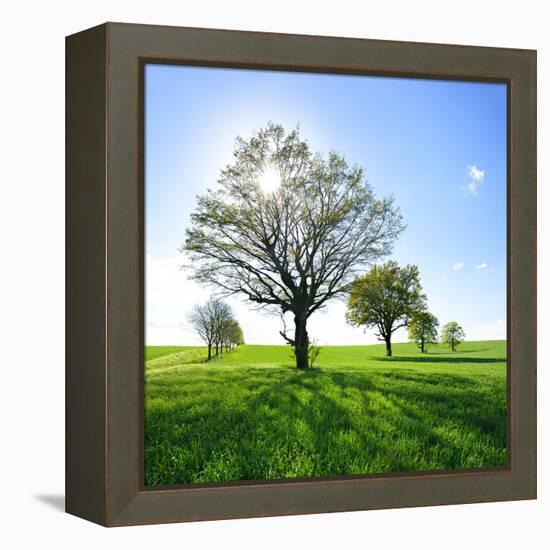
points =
(301, 274)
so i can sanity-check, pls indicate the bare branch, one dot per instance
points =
(294, 248)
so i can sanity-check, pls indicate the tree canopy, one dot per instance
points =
(423, 329)
(453, 334)
(297, 243)
(233, 335)
(385, 298)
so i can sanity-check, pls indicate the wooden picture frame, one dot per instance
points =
(105, 273)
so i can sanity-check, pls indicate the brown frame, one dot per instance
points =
(104, 273)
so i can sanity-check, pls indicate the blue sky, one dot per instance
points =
(438, 146)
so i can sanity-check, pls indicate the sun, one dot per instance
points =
(270, 179)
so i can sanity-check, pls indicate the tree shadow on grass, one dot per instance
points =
(289, 423)
(274, 431)
(445, 359)
(431, 379)
(448, 351)
(438, 399)
(471, 403)
(444, 399)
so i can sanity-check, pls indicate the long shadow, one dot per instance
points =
(273, 427)
(324, 417)
(432, 359)
(57, 502)
(278, 423)
(435, 351)
(466, 400)
(432, 379)
(445, 414)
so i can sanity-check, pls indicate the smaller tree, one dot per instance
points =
(385, 298)
(453, 334)
(423, 329)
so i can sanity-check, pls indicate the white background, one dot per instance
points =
(32, 273)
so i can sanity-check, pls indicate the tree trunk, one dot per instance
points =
(422, 346)
(388, 346)
(301, 342)
(217, 345)
(452, 345)
(209, 352)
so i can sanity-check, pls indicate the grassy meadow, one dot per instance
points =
(250, 414)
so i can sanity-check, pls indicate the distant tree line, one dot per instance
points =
(215, 324)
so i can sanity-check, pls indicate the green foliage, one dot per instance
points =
(385, 298)
(250, 415)
(422, 329)
(235, 335)
(452, 334)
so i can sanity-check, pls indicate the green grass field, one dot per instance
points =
(250, 415)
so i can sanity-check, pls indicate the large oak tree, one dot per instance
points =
(296, 243)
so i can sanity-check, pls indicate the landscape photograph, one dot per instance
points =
(325, 275)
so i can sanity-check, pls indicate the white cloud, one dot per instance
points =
(471, 187)
(476, 173)
(482, 265)
(458, 265)
(476, 176)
